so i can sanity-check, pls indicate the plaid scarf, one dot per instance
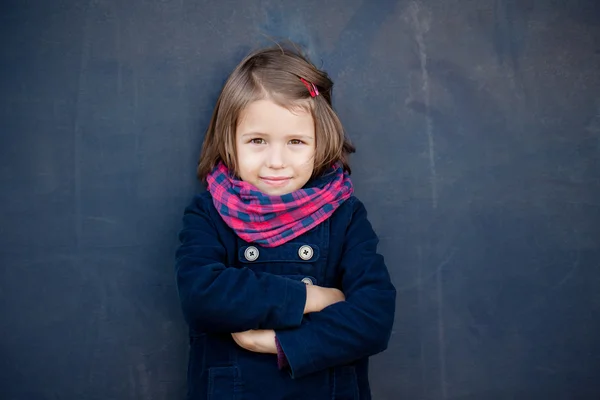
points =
(274, 220)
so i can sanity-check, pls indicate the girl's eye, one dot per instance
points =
(296, 141)
(257, 141)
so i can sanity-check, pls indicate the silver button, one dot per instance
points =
(251, 253)
(307, 281)
(305, 252)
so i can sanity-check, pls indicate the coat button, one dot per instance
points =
(307, 281)
(305, 252)
(251, 253)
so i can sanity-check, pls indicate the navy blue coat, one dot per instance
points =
(223, 289)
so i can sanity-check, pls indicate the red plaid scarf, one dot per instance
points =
(274, 220)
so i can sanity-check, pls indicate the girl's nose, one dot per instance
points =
(275, 157)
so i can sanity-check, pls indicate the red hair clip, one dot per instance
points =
(312, 88)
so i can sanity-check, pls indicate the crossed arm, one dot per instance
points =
(264, 340)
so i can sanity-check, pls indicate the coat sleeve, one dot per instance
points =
(218, 298)
(359, 327)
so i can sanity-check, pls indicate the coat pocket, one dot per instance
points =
(345, 383)
(224, 383)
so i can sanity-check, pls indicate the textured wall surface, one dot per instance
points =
(477, 125)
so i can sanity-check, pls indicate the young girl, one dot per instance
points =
(278, 273)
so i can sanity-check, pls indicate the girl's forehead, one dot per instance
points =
(266, 115)
(299, 106)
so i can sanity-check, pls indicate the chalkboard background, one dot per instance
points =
(477, 125)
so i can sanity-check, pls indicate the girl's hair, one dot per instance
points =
(275, 74)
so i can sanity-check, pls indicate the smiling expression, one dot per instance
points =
(275, 147)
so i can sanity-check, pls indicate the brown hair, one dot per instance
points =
(274, 73)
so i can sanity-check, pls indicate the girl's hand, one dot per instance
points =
(258, 341)
(318, 298)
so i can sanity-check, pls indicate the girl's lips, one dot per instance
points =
(275, 180)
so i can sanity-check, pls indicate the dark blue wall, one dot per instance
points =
(478, 132)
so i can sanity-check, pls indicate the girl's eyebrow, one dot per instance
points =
(254, 134)
(303, 137)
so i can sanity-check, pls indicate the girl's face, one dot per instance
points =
(275, 147)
